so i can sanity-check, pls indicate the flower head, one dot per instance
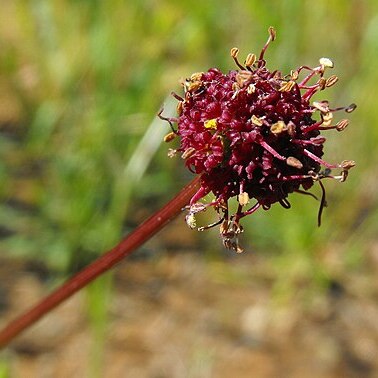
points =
(254, 134)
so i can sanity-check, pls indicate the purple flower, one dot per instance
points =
(255, 134)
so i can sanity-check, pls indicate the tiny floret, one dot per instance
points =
(256, 135)
(211, 124)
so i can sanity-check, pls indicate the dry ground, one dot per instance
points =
(182, 316)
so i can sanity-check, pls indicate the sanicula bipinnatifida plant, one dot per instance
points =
(254, 134)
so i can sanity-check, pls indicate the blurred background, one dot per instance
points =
(82, 163)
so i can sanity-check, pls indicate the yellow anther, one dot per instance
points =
(256, 120)
(251, 88)
(326, 62)
(291, 128)
(351, 108)
(243, 198)
(170, 136)
(294, 75)
(322, 82)
(348, 164)
(191, 221)
(193, 86)
(243, 77)
(179, 107)
(196, 76)
(278, 127)
(234, 52)
(327, 119)
(250, 60)
(171, 152)
(272, 33)
(342, 125)
(321, 106)
(211, 124)
(235, 87)
(294, 162)
(287, 86)
(331, 81)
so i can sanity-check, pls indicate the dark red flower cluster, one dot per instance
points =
(253, 133)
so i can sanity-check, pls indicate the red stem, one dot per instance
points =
(131, 242)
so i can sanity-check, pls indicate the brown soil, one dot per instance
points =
(180, 316)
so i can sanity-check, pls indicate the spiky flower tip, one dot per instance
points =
(255, 134)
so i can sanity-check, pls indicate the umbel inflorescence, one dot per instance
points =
(254, 134)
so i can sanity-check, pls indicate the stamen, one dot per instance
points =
(243, 77)
(327, 118)
(301, 68)
(169, 137)
(256, 120)
(318, 160)
(314, 126)
(211, 124)
(229, 231)
(287, 86)
(251, 88)
(321, 106)
(188, 153)
(348, 109)
(243, 198)
(250, 60)
(271, 150)
(272, 37)
(326, 62)
(294, 75)
(308, 77)
(278, 127)
(294, 162)
(190, 220)
(171, 152)
(291, 129)
(346, 165)
(177, 97)
(310, 92)
(234, 55)
(322, 82)
(293, 178)
(272, 33)
(180, 107)
(342, 125)
(332, 80)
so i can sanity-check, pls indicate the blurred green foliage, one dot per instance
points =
(81, 83)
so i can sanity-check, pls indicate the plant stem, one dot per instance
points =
(131, 242)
